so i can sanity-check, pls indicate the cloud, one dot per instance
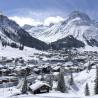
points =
(36, 14)
(34, 22)
(22, 21)
(56, 19)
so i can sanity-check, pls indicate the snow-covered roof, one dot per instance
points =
(68, 63)
(4, 70)
(36, 69)
(1, 66)
(7, 77)
(56, 68)
(18, 68)
(55, 73)
(38, 85)
(31, 65)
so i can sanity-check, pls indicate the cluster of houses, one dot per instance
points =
(13, 70)
(34, 88)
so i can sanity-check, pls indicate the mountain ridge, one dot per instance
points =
(12, 31)
(77, 24)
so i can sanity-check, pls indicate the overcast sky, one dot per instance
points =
(40, 10)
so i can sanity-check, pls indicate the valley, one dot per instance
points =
(55, 61)
(39, 66)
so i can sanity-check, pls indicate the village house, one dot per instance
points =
(39, 87)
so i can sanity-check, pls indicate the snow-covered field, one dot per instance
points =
(5, 93)
(16, 53)
(76, 91)
(11, 93)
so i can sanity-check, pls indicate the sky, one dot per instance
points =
(45, 11)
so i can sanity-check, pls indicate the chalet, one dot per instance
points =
(4, 72)
(22, 70)
(46, 69)
(37, 71)
(39, 87)
(56, 69)
(7, 81)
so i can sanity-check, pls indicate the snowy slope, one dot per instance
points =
(10, 32)
(77, 24)
(26, 54)
(36, 31)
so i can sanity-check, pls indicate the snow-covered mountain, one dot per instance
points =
(36, 31)
(10, 32)
(27, 27)
(77, 24)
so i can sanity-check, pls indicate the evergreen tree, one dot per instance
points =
(71, 79)
(87, 93)
(61, 83)
(21, 47)
(51, 81)
(96, 81)
(42, 76)
(25, 88)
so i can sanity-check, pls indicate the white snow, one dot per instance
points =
(76, 27)
(27, 53)
(76, 91)
(88, 48)
(38, 85)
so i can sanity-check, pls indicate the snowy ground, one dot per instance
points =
(16, 53)
(88, 48)
(76, 91)
(12, 94)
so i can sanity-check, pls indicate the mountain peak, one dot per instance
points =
(78, 14)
